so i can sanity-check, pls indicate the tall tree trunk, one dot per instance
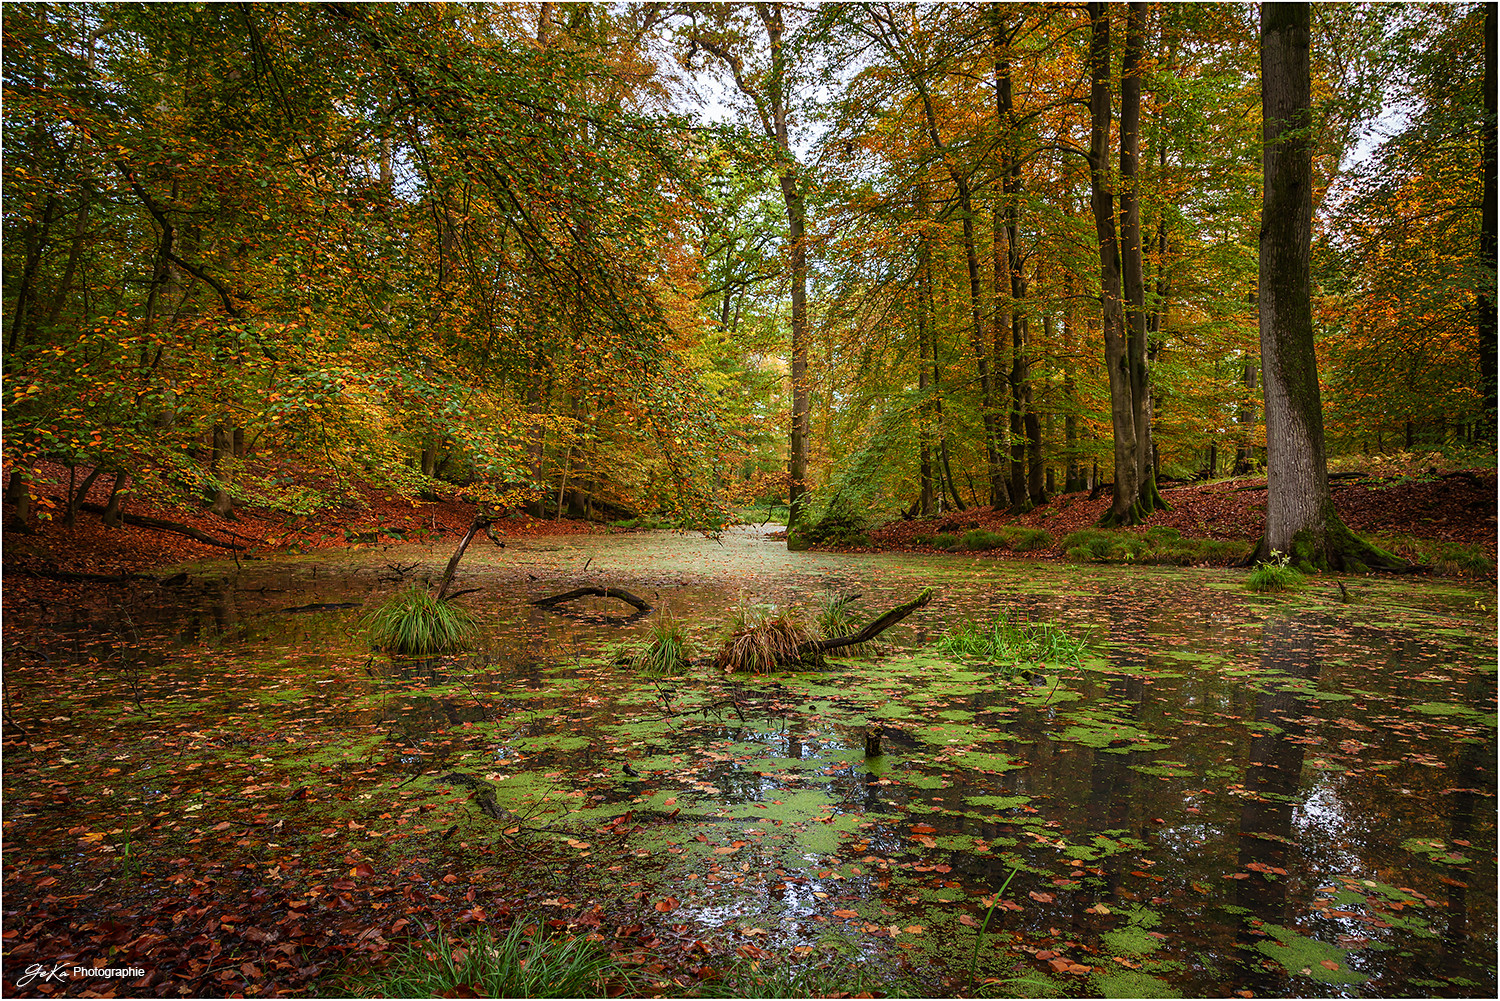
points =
(1132, 257)
(1244, 452)
(1485, 300)
(924, 305)
(890, 38)
(1008, 222)
(776, 108)
(1300, 517)
(1075, 479)
(999, 494)
(1125, 509)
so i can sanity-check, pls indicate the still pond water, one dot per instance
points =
(1288, 796)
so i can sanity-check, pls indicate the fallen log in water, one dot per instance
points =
(870, 631)
(598, 592)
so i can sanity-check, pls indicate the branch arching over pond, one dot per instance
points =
(600, 592)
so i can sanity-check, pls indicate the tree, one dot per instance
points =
(1125, 508)
(769, 88)
(1300, 517)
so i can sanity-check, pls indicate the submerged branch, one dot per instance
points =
(601, 592)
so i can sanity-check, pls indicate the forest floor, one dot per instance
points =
(1456, 508)
(1453, 508)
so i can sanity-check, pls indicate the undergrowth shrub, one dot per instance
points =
(1025, 540)
(414, 623)
(1158, 545)
(944, 540)
(1448, 558)
(1016, 538)
(838, 528)
(525, 963)
(978, 540)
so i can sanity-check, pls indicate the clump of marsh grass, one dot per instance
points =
(1275, 574)
(837, 618)
(761, 639)
(525, 963)
(415, 623)
(664, 651)
(1013, 641)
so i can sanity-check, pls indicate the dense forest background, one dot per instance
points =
(258, 253)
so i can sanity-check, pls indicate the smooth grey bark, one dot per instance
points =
(1300, 518)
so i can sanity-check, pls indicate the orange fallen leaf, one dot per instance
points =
(668, 904)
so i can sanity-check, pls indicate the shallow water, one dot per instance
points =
(1284, 795)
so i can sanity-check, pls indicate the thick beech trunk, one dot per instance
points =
(18, 491)
(1300, 517)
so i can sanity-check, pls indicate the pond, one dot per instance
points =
(1229, 793)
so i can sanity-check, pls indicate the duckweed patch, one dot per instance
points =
(1301, 956)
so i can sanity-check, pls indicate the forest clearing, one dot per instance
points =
(749, 500)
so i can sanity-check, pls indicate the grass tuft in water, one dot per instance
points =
(838, 618)
(523, 964)
(665, 651)
(1013, 641)
(1275, 574)
(762, 639)
(414, 623)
